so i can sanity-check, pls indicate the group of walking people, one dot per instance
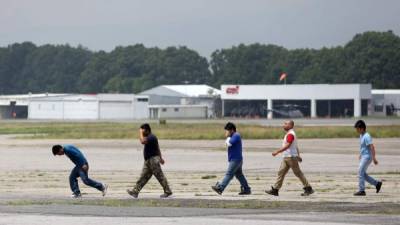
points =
(153, 160)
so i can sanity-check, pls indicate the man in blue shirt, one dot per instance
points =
(367, 155)
(235, 159)
(81, 169)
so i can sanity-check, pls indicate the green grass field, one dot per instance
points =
(195, 131)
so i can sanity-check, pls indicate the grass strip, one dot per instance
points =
(178, 131)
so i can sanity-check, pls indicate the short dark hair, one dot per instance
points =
(146, 127)
(56, 149)
(360, 124)
(230, 126)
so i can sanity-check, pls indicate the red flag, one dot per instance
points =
(283, 76)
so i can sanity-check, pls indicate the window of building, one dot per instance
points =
(378, 108)
(176, 109)
(142, 99)
(164, 109)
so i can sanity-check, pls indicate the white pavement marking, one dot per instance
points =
(18, 219)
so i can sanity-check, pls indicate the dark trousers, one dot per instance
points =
(79, 172)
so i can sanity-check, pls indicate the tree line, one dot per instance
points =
(370, 57)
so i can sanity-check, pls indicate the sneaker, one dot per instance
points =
(273, 191)
(166, 195)
(360, 193)
(378, 186)
(76, 195)
(245, 191)
(217, 189)
(104, 191)
(307, 191)
(132, 193)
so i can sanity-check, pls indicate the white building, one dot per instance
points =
(16, 106)
(92, 107)
(178, 111)
(386, 102)
(304, 100)
(183, 101)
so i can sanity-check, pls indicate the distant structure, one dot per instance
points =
(75, 106)
(296, 100)
(386, 102)
(202, 102)
(16, 106)
(183, 101)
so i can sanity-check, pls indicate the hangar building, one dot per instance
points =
(297, 100)
(73, 106)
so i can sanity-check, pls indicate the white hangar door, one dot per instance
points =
(116, 110)
(80, 110)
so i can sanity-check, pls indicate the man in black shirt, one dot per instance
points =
(152, 163)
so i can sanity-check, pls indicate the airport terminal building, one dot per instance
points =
(300, 100)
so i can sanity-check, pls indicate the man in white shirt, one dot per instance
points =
(291, 159)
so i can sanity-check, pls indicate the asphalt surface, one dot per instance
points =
(98, 215)
(29, 171)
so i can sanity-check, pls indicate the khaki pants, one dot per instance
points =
(152, 167)
(287, 163)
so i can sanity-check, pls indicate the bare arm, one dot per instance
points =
(298, 155)
(373, 152)
(85, 168)
(142, 138)
(284, 148)
(159, 153)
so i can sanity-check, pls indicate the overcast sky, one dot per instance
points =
(203, 25)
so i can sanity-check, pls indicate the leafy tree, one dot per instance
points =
(370, 57)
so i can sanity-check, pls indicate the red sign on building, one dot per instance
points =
(232, 90)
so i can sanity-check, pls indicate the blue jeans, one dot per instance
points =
(79, 172)
(234, 169)
(362, 173)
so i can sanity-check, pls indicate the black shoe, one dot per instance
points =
(217, 189)
(166, 195)
(245, 191)
(273, 191)
(378, 186)
(360, 193)
(132, 193)
(307, 191)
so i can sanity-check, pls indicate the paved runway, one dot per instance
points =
(29, 171)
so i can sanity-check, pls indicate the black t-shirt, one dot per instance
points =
(151, 148)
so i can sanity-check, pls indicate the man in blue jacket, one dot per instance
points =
(81, 169)
(235, 159)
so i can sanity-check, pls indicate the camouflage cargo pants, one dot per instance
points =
(152, 167)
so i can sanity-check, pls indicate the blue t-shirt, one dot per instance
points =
(75, 155)
(365, 141)
(235, 151)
